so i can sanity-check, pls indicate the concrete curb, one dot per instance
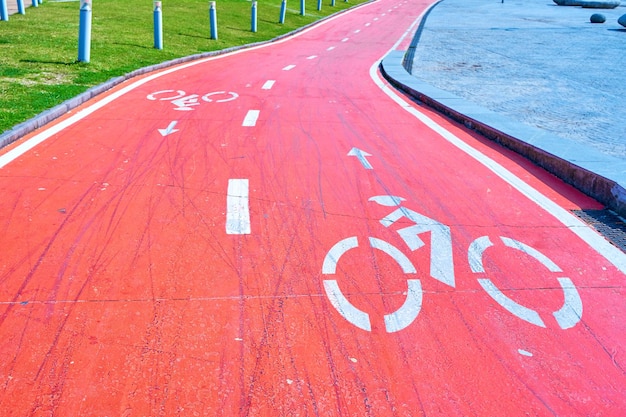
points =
(22, 129)
(600, 176)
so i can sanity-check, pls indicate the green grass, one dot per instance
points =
(38, 51)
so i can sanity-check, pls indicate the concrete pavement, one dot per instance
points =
(538, 77)
(12, 6)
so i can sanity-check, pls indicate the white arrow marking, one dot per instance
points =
(169, 130)
(361, 157)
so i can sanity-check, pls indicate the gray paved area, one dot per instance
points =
(12, 5)
(532, 61)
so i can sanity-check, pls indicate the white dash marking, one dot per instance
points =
(251, 118)
(289, 67)
(330, 48)
(312, 57)
(357, 31)
(525, 352)
(268, 85)
(345, 39)
(375, 18)
(367, 24)
(237, 209)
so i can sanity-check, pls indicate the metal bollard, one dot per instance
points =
(213, 20)
(158, 25)
(35, 3)
(332, 3)
(283, 11)
(319, 5)
(253, 25)
(302, 8)
(20, 7)
(4, 10)
(40, 1)
(84, 31)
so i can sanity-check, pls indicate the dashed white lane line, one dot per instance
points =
(237, 207)
(312, 57)
(330, 48)
(345, 39)
(251, 118)
(268, 85)
(357, 31)
(367, 24)
(289, 67)
(375, 18)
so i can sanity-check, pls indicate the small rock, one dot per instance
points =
(622, 20)
(597, 18)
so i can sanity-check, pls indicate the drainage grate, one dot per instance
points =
(608, 224)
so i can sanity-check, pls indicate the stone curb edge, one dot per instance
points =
(47, 116)
(601, 177)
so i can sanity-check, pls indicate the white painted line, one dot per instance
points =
(375, 18)
(268, 85)
(237, 208)
(524, 353)
(289, 67)
(367, 24)
(312, 57)
(384, 14)
(345, 39)
(330, 48)
(357, 31)
(251, 118)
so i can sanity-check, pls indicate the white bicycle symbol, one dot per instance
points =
(184, 102)
(441, 269)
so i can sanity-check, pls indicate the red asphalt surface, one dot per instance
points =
(122, 294)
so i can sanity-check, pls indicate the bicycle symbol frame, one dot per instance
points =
(441, 269)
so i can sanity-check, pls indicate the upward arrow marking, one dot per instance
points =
(361, 157)
(170, 129)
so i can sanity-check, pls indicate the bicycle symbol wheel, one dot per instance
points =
(395, 321)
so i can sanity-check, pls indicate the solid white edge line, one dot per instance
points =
(577, 226)
(29, 144)
(237, 207)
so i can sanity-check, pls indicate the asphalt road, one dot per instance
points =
(276, 232)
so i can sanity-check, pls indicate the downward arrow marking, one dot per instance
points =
(170, 129)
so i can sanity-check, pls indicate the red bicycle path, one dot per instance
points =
(123, 294)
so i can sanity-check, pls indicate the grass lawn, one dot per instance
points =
(39, 51)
